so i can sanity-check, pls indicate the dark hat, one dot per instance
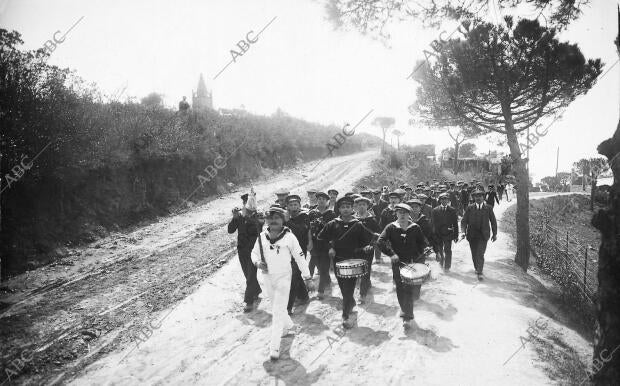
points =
(277, 210)
(293, 197)
(282, 192)
(322, 194)
(477, 192)
(403, 206)
(332, 191)
(415, 201)
(344, 199)
(363, 199)
(408, 188)
(444, 195)
(244, 197)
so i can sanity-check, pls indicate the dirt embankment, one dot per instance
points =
(568, 213)
(564, 249)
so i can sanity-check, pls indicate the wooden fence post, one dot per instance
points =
(585, 269)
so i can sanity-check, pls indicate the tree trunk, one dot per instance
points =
(383, 143)
(606, 367)
(607, 221)
(583, 179)
(592, 189)
(522, 257)
(1, 215)
(456, 158)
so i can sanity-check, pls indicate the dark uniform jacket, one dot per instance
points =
(475, 222)
(371, 224)
(300, 225)
(455, 198)
(318, 221)
(430, 201)
(247, 229)
(348, 238)
(464, 197)
(387, 216)
(490, 197)
(445, 222)
(425, 226)
(407, 243)
(378, 208)
(427, 211)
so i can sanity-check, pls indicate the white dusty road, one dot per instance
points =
(468, 333)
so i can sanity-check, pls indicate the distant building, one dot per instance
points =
(202, 99)
(233, 112)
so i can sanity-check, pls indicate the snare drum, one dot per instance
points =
(352, 268)
(414, 274)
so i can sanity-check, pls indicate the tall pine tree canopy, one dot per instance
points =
(501, 78)
(372, 16)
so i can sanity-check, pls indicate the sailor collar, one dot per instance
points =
(347, 224)
(409, 225)
(283, 232)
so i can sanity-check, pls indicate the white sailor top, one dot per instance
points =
(278, 253)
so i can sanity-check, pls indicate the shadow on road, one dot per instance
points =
(290, 371)
(429, 338)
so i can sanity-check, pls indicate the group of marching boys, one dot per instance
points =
(402, 224)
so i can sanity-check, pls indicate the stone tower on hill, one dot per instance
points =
(202, 98)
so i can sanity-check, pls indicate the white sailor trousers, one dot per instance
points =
(278, 286)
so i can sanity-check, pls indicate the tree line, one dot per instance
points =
(72, 160)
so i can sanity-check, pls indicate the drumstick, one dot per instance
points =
(350, 229)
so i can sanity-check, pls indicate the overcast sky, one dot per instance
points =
(299, 63)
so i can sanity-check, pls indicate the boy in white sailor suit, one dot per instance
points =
(272, 254)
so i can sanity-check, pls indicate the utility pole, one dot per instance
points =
(557, 160)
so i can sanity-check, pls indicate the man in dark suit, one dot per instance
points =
(475, 226)
(491, 197)
(464, 197)
(446, 229)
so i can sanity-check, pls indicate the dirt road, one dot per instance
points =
(468, 333)
(66, 316)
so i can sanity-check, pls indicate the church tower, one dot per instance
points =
(202, 98)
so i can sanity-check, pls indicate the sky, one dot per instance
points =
(299, 63)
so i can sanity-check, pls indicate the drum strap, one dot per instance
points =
(350, 229)
(260, 246)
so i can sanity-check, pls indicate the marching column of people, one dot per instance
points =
(405, 224)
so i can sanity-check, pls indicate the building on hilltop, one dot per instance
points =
(202, 98)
